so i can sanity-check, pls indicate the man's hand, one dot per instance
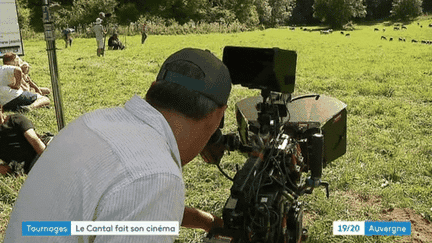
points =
(198, 219)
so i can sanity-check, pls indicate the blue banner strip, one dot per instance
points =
(389, 228)
(46, 228)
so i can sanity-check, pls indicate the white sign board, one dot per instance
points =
(10, 34)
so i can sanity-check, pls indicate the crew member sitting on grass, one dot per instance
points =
(12, 97)
(19, 143)
(125, 163)
(28, 85)
(114, 43)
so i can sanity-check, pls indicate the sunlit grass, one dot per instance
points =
(386, 85)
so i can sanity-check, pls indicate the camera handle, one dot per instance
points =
(316, 164)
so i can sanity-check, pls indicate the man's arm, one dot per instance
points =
(34, 140)
(158, 197)
(33, 85)
(16, 83)
(198, 219)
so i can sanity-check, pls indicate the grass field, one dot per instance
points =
(386, 173)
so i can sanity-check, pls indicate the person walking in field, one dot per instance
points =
(125, 163)
(100, 33)
(143, 33)
(67, 36)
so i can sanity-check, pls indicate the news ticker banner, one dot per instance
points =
(67, 228)
(369, 228)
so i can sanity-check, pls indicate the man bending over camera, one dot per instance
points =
(125, 164)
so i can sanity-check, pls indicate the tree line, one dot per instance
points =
(251, 13)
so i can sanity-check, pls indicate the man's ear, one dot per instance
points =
(218, 114)
(221, 111)
(222, 122)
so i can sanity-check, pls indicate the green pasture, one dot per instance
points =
(387, 86)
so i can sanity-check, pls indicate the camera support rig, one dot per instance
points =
(284, 138)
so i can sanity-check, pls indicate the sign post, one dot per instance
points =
(10, 34)
(52, 59)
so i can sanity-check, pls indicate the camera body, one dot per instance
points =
(286, 138)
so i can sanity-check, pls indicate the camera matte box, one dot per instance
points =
(327, 113)
(331, 114)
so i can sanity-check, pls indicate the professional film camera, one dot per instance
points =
(288, 141)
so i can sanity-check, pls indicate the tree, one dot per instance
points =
(246, 13)
(303, 12)
(427, 6)
(244, 10)
(281, 11)
(377, 9)
(23, 14)
(336, 13)
(86, 11)
(219, 14)
(182, 10)
(274, 12)
(127, 13)
(264, 11)
(406, 9)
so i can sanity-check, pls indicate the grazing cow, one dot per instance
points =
(376, 29)
(383, 29)
(400, 39)
(395, 28)
(391, 38)
(423, 42)
(414, 41)
(324, 32)
(404, 27)
(383, 38)
(292, 28)
(348, 35)
(421, 26)
(305, 29)
(342, 33)
(430, 25)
